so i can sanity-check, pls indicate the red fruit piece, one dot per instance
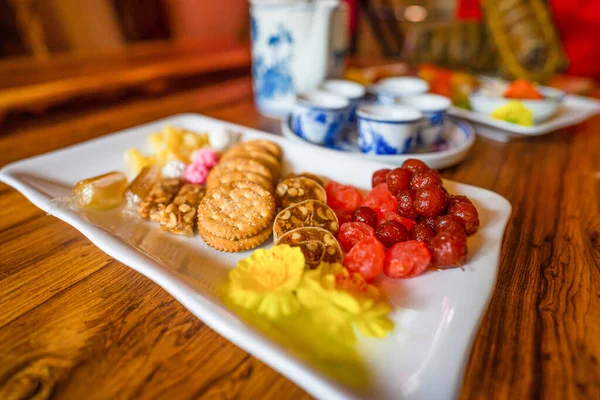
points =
(422, 233)
(342, 197)
(379, 177)
(406, 204)
(467, 214)
(343, 216)
(423, 179)
(365, 215)
(449, 223)
(406, 259)
(391, 232)
(457, 198)
(448, 250)
(430, 222)
(408, 223)
(353, 232)
(366, 258)
(430, 201)
(415, 165)
(398, 179)
(380, 200)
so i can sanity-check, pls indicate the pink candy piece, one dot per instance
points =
(206, 157)
(196, 173)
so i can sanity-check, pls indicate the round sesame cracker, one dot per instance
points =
(236, 210)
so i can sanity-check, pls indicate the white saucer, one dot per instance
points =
(458, 139)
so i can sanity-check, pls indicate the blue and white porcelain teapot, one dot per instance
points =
(295, 46)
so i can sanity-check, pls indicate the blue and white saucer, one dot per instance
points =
(458, 139)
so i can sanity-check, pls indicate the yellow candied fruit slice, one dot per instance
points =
(137, 161)
(101, 192)
(514, 112)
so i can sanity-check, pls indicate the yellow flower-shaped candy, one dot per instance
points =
(514, 112)
(265, 282)
(337, 299)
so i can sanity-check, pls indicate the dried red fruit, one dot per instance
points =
(457, 198)
(343, 216)
(391, 232)
(353, 232)
(430, 201)
(379, 177)
(449, 223)
(342, 197)
(422, 233)
(420, 180)
(406, 259)
(467, 214)
(366, 258)
(448, 250)
(365, 215)
(406, 204)
(380, 200)
(408, 223)
(415, 165)
(398, 179)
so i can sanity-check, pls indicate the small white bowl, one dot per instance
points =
(392, 90)
(320, 116)
(352, 91)
(434, 107)
(387, 129)
(542, 109)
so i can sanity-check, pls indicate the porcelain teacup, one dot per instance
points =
(319, 117)
(387, 129)
(434, 107)
(392, 90)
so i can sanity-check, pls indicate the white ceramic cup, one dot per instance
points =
(354, 92)
(319, 117)
(434, 108)
(392, 90)
(387, 129)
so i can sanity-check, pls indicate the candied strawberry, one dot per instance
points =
(380, 200)
(406, 259)
(408, 223)
(352, 233)
(342, 197)
(391, 232)
(398, 179)
(366, 258)
(415, 165)
(343, 216)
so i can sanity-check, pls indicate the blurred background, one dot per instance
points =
(54, 51)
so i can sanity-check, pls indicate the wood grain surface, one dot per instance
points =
(76, 324)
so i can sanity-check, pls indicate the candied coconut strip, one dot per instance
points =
(161, 194)
(179, 217)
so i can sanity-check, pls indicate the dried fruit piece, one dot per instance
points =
(406, 259)
(379, 177)
(366, 258)
(423, 179)
(365, 215)
(467, 214)
(415, 165)
(449, 223)
(343, 216)
(391, 216)
(342, 197)
(101, 192)
(391, 232)
(380, 200)
(430, 201)
(448, 250)
(352, 233)
(398, 179)
(406, 204)
(422, 233)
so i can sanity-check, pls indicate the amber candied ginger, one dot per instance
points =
(101, 192)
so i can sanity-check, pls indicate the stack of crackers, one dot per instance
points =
(238, 211)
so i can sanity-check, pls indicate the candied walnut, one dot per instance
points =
(159, 197)
(179, 216)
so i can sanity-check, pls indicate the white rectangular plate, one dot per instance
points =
(436, 314)
(573, 110)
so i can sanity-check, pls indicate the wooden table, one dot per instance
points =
(75, 323)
